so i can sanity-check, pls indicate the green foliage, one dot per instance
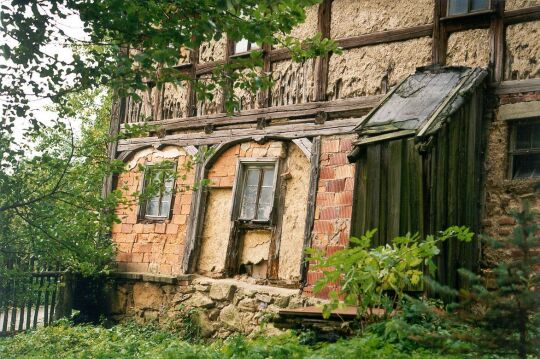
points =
(506, 307)
(377, 278)
(133, 341)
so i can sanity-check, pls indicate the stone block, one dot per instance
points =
(222, 291)
(147, 296)
(199, 300)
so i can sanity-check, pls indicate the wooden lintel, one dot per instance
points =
(305, 145)
(288, 132)
(517, 86)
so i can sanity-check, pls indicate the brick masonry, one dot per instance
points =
(147, 246)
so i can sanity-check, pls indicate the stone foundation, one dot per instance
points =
(223, 306)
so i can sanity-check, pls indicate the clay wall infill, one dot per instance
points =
(358, 17)
(468, 48)
(372, 70)
(293, 82)
(213, 50)
(522, 60)
(520, 4)
(149, 246)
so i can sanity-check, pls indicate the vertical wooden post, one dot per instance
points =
(321, 63)
(496, 42)
(440, 36)
(118, 114)
(191, 95)
(64, 305)
(311, 202)
(263, 97)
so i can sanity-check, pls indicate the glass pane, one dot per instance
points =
(152, 207)
(254, 46)
(241, 46)
(248, 202)
(535, 135)
(265, 203)
(457, 7)
(268, 177)
(477, 5)
(165, 206)
(523, 138)
(526, 166)
(252, 177)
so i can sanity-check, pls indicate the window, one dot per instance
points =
(158, 189)
(244, 46)
(461, 7)
(524, 154)
(255, 190)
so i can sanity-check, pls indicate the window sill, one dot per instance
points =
(153, 220)
(266, 225)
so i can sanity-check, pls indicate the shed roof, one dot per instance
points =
(421, 103)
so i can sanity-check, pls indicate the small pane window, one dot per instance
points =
(244, 46)
(461, 7)
(159, 187)
(256, 194)
(524, 152)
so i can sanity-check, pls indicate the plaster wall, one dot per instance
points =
(372, 70)
(358, 17)
(174, 101)
(522, 60)
(468, 48)
(213, 50)
(212, 105)
(293, 82)
(520, 4)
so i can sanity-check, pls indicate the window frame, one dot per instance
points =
(142, 215)
(512, 152)
(239, 187)
(446, 6)
(249, 48)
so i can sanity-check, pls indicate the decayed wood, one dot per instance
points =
(191, 95)
(439, 39)
(263, 97)
(278, 132)
(311, 201)
(375, 38)
(195, 221)
(356, 106)
(522, 15)
(322, 62)
(496, 42)
(517, 86)
(305, 145)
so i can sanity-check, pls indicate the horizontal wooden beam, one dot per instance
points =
(356, 106)
(288, 132)
(386, 36)
(517, 86)
(522, 15)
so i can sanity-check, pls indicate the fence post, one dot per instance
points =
(64, 305)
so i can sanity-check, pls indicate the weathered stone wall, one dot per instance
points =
(372, 70)
(357, 17)
(145, 246)
(522, 59)
(502, 193)
(293, 82)
(468, 48)
(223, 306)
(333, 206)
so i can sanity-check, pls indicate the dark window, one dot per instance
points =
(255, 191)
(524, 152)
(461, 7)
(157, 192)
(244, 46)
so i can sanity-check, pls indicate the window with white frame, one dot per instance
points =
(255, 189)
(158, 190)
(244, 46)
(524, 149)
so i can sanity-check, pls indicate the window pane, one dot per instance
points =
(535, 135)
(252, 177)
(457, 7)
(526, 166)
(523, 137)
(477, 5)
(248, 202)
(265, 203)
(152, 207)
(268, 177)
(254, 46)
(165, 205)
(241, 46)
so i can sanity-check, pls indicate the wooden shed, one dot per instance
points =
(419, 158)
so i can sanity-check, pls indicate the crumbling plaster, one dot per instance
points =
(357, 17)
(175, 99)
(293, 82)
(520, 4)
(213, 50)
(522, 59)
(372, 70)
(468, 48)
